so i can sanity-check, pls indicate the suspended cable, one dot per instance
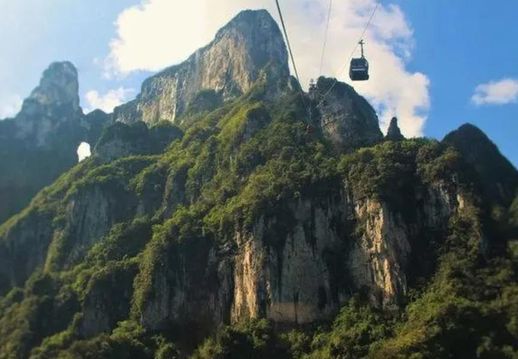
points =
(287, 41)
(325, 37)
(352, 53)
(292, 57)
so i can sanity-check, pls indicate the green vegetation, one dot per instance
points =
(469, 310)
(254, 339)
(172, 212)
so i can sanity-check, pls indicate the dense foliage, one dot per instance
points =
(233, 164)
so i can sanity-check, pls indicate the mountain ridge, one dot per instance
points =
(241, 228)
(248, 45)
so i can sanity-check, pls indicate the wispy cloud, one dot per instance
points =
(159, 33)
(108, 101)
(500, 92)
(10, 106)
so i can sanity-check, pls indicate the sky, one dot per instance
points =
(434, 64)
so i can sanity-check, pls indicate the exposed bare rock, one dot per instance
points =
(394, 133)
(346, 118)
(250, 46)
(296, 279)
(301, 265)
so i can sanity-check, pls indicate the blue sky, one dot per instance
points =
(459, 45)
(428, 57)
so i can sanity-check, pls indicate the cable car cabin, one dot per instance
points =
(359, 70)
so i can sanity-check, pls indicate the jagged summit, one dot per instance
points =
(41, 141)
(346, 117)
(250, 45)
(51, 106)
(248, 19)
(262, 39)
(394, 133)
(498, 176)
(59, 87)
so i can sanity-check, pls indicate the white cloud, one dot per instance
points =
(108, 101)
(500, 92)
(83, 151)
(159, 33)
(10, 106)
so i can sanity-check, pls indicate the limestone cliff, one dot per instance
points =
(249, 47)
(301, 265)
(54, 103)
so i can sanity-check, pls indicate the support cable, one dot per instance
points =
(292, 57)
(325, 37)
(287, 41)
(352, 53)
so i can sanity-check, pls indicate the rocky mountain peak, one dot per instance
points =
(52, 105)
(394, 133)
(249, 46)
(59, 87)
(468, 132)
(347, 119)
(41, 141)
(497, 175)
(261, 37)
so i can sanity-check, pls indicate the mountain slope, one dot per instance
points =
(255, 230)
(40, 143)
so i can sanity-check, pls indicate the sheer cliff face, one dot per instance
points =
(251, 45)
(332, 249)
(301, 265)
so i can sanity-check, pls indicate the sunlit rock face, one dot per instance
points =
(249, 47)
(330, 249)
(303, 263)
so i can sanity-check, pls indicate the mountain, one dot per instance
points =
(249, 47)
(346, 118)
(40, 143)
(393, 132)
(496, 174)
(240, 219)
